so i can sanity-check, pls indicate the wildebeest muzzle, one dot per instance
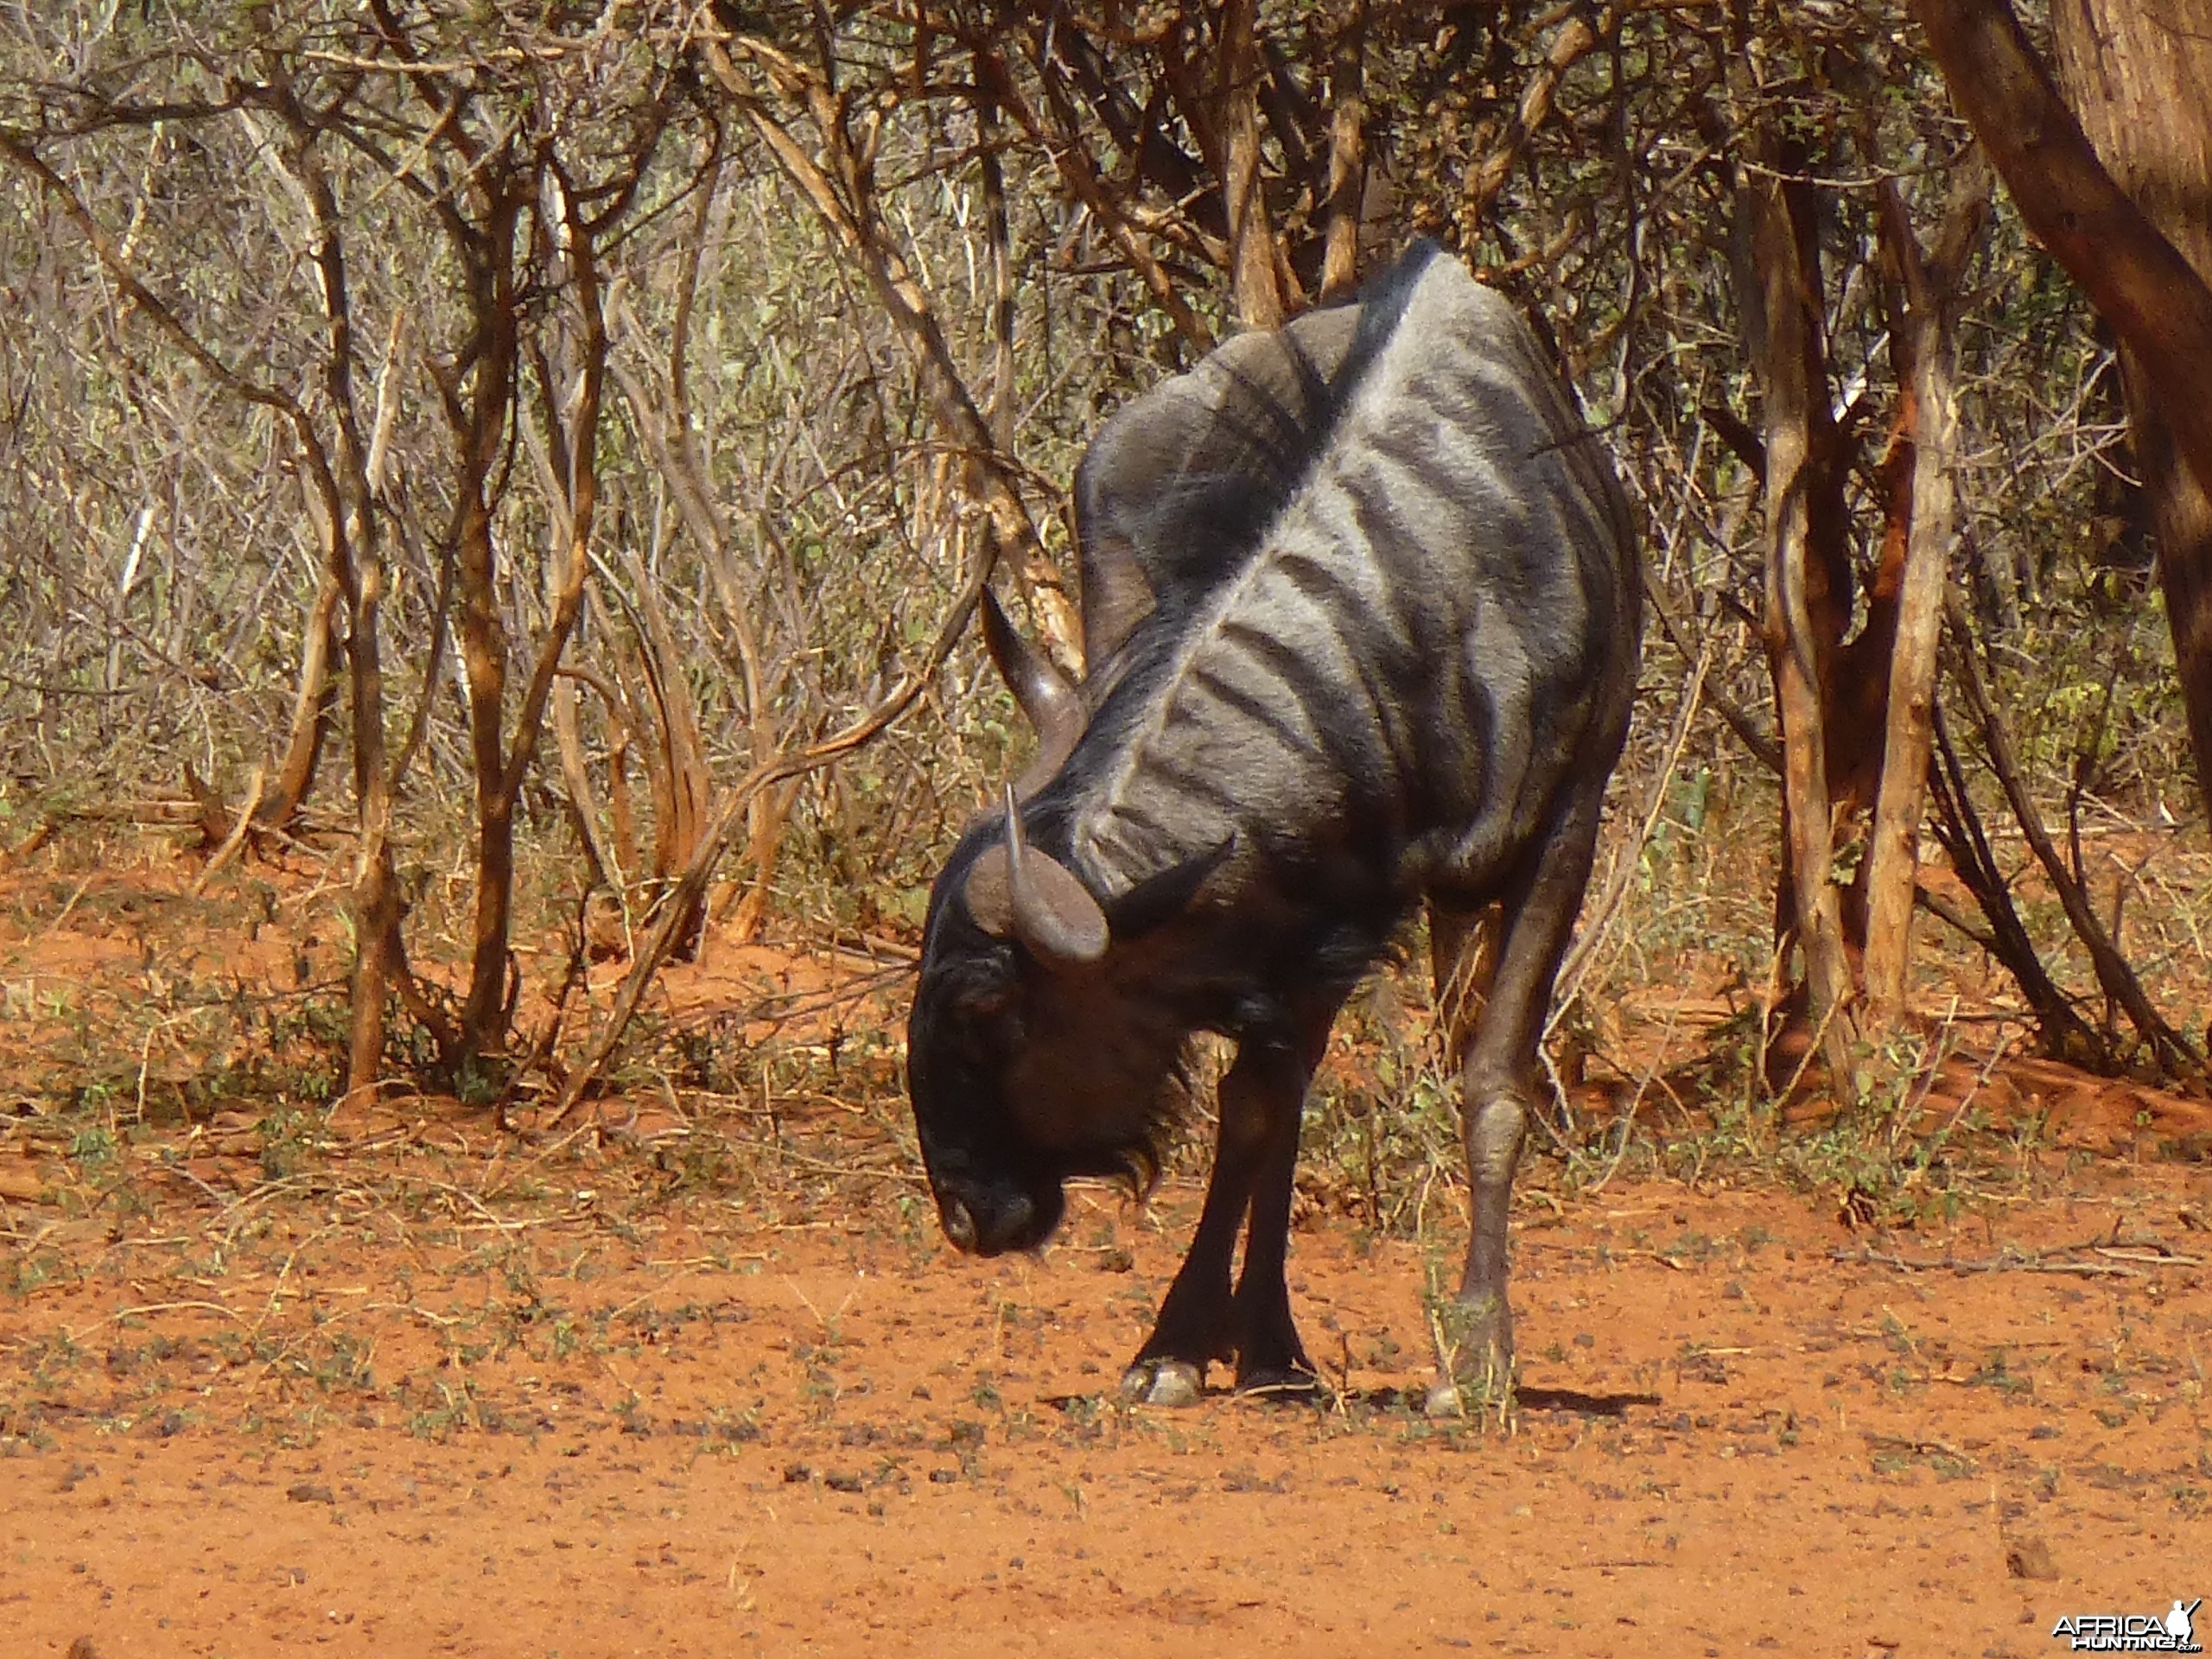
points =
(994, 1220)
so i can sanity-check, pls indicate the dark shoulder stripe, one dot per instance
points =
(1413, 454)
(1259, 709)
(1364, 624)
(1294, 670)
(1131, 813)
(1338, 600)
(1189, 780)
(1385, 630)
(1336, 696)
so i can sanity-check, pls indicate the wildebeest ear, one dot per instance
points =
(1159, 898)
(989, 894)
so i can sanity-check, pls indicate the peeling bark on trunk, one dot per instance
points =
(1798, 586)
(312, 706)
(484, 638)
(2154, 299)
(1347, 182)
(1893, 841)
(1893, 838)
(1253, 291)
(2143, 77)
(2139, 80)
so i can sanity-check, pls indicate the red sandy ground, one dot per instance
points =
(428, 1391)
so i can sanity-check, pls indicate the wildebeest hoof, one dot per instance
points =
(959, 1225)
(1163, 1382)
(1464, 1397)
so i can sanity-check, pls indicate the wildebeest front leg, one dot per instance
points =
(1498, 1071)
(1202, 1321)
(1270, 1358)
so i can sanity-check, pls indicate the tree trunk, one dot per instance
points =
(2143, 80)
(484, 649)
(355, 560)
(2139, 80)
(1893, 839)
(1798, 585)
(1347, 180)
(676, 760)
(2156, 300)
(1257, 298)
(312, 706)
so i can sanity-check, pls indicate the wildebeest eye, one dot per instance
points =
(987, 1018)
(995, 999)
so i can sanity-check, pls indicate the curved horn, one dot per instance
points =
(1116, 593)
(1053, 913)
(1047, 697)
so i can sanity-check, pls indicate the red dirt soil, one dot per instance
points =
(415, 1388)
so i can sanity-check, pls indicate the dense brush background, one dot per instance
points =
(783, 521)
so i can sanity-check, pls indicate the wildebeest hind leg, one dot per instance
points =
(1200, 1320)
(1498, 1071)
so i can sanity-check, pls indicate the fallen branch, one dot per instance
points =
(12, 857)
(1918, 1448)
(236, 839)
(2004, 1263)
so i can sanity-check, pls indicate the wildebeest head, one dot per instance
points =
(1037, 1049)
(1050, 1021)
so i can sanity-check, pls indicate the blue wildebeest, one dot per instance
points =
(1361, 608)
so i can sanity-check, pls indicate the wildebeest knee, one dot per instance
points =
(1496, 1125)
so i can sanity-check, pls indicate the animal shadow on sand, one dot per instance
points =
(1581, 1404)
(1574, 1402)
